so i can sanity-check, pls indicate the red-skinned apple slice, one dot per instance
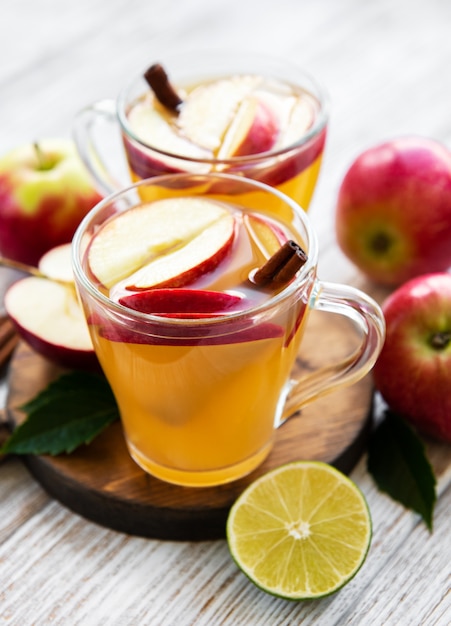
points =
(49, 318)
(167, 243)
(268, 236)
(152, 129)
(198, 256)
(226, 332)
(210, 108)
(184, 302)
(254, 130)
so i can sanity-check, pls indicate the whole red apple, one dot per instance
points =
(45, 192)
(393, 213)
(413, 371)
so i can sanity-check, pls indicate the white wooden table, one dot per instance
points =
(387, 68)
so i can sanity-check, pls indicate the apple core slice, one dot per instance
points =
(169, 242)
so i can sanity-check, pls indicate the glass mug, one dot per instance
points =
(200, 399)
(291, 166)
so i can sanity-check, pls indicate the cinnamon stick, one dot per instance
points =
(8, 339)
(281, 267)
(165, 93)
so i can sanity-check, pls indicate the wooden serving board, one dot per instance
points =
(102, 483)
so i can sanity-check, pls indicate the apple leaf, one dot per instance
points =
(398, 463)
(71, 411)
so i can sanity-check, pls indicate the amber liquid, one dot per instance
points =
(204, 414)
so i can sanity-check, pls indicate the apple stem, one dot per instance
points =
(165, 93)
(43, 162)
(281, 267)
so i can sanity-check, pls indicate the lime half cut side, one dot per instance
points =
(301, 531)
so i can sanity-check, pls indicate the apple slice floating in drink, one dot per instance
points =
(153, 129)
(192, 258)
(169, 243)
(209, 110)
(186, 303)
(227, 118)
(219, 120)
(254, 130)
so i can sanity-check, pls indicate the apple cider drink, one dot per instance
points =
(198, 374)
(264, 128)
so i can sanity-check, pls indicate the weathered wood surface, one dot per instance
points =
(386, 66)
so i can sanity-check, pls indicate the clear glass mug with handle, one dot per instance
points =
(201, 394)
(245, 114)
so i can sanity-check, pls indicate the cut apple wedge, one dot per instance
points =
(190, 303)
(301, 118)
(57, 263)
(48, 317)
(210, 108)
(194, 258)
(268, 236)
(254, 130)
(229, 331)
(169, 243)
(288, 166)
(152, 129)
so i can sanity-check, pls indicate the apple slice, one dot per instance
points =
(183, 302)
(229, 331)
(268, 236)
(254, 130)
(154, 130)
(286, 167)
(301, 118)
(197, 256)
(56, 263)
(48, 317)
(169, 242)
(209, 109)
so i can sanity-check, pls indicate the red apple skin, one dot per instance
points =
(393, 212)
(41, 208)
(183, 302)
(413, 371)
(147, 164)
(179, 338)
(27, 295)
(59, 354)
(192, 273)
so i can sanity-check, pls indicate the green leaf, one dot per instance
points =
(71, 411)
(398, 463)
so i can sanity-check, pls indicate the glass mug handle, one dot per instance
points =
(367, 316)
(87, 122)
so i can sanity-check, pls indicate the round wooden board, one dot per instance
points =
(102, 483)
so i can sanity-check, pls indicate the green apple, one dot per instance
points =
(413, 371)
(393, 214)
(45, 191)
